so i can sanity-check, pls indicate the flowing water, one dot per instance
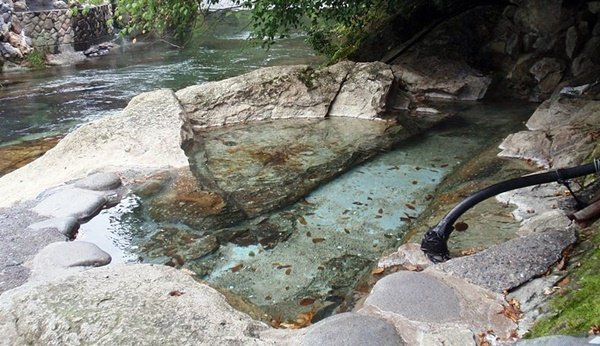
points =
(53, 101)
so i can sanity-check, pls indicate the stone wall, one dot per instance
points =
(50, 31)
(540, 44)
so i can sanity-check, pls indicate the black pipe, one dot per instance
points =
(434, 243)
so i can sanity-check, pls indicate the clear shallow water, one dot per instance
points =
(327, 242)
(42, 103)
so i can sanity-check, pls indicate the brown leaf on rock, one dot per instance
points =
(461, 226)
(318, 240)
(512, 310)
(377, 271)
(306, 301)
(176, 293)
(302, 220)
(237, 268)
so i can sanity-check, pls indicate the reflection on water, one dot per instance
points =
(41, 103)
(308, 257)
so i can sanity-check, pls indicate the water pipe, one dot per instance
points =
(434, 243)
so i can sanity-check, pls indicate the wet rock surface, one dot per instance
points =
(263, 167)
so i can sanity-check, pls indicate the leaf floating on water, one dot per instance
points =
(461, 226)
(414, 182)
(410, 206)
(308, 234)
(302, 220)
(176, 293)
(318, 240)
(345, 211)
(444, 165)
(268, 297)
(357, 203)
(237, 268)
(380, 211)
(347, 231)
(378, 216)
(405, 219)
(288, 271)
(307, 301)
(377, 271)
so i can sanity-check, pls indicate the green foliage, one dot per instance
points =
(36, 59)
(577, 309)
(174, 17)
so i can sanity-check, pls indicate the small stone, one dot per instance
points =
(352, 329)
(71, 202)
(65, 225)
(56, 258)
(99, 182)
(594, 6)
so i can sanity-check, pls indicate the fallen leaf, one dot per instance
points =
(318, 240)
(565, 281)
(288, 271)
(237, 268)
(268, 297)
(512, 310)
(377, 270)
(347, 231)
(444, 165)
(308, 234)
(413, 267)
(461, 226)
(380, 211)
(405, 219)
(176, 293)
(306, 301)
(414, 182)
(302, 220)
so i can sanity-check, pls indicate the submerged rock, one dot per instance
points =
(262, 167)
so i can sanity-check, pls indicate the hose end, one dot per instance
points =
(434, 245)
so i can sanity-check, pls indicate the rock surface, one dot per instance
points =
(353, 330)
(131, 138)
(513, 263)
(562, 133)
(62, 258)
(137, 303)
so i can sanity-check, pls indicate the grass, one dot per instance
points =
(36, 59)
(576, 310)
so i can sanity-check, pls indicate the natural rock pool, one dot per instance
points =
(310, 256)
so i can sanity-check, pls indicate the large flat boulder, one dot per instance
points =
(124, 305)
(345, 89)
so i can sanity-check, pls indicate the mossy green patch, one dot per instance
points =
(577, 308)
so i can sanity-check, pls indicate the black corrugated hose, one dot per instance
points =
(434, 243)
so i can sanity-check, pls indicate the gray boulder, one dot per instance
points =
(124, 305)
(434, 77)
(288, 92)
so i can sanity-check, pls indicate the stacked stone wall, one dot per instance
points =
(50, 30)
(54, 30)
